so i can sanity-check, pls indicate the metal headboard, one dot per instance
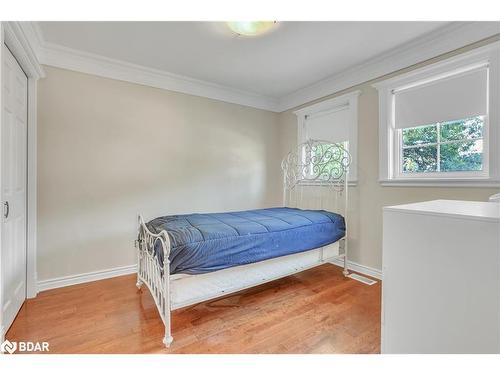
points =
(315, 163)
(316, 176)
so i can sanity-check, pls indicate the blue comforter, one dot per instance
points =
(203, 243)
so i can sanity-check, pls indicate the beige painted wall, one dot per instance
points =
(368, 198)
(108, 150)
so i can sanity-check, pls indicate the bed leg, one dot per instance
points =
(167, 340)
(167, 311)
(139, 282)
(345, 272)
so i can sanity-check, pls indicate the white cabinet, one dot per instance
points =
(441, 279)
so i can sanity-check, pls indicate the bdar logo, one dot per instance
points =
(8, 347)
(24, 346)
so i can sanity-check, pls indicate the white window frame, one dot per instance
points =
(389, 137)
(349, 101)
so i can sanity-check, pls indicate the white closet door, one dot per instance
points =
(13, 186)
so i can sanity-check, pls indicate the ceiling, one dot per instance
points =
(291, 58)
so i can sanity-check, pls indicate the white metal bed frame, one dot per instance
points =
(315, 165)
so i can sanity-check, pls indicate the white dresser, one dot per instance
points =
(441, 278)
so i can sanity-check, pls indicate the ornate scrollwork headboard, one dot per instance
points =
(315, 176)
(317, 162)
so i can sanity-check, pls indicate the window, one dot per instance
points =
(332, 120)
(437, 125)
(453, 146)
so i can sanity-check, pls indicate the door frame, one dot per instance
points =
(17, 42)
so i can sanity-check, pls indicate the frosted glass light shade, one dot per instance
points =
(251, 28)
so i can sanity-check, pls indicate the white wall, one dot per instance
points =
(108, 150)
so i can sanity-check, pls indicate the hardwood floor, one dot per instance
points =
(315, 311)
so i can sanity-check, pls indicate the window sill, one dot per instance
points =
(441, 182)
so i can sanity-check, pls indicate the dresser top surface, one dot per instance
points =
(489, 211)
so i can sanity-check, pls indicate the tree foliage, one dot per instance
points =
(459, 144)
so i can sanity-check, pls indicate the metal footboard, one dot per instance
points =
(155, 272)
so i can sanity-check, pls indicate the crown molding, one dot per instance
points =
(328, 104)
(474, 59)
(67, 58)
(22, 47)
(441, 41)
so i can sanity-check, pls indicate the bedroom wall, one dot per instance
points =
(108, 150)
(368, 197)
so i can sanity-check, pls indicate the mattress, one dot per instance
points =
(186, 290)
(202, 243)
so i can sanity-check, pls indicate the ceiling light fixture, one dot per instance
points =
(251, 28)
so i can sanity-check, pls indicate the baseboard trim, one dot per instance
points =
(60, 282)
(356, 267)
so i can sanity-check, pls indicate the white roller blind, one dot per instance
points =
(329, 126)
(452, 98)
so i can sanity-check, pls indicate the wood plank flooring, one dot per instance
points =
(315, 311)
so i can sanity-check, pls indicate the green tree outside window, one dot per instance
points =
(452, 146)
